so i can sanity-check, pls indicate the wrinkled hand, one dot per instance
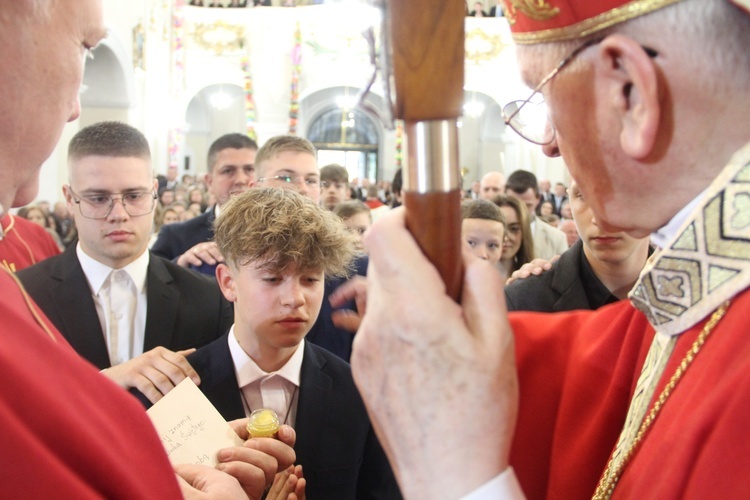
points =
(206, 252)
(201, 482)
(356, 289)
(288, 484)
(535, 267)
(256, 463)
(438, 378)
(154, 373)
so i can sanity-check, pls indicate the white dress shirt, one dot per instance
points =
(278, 391)
(663, 236)
(121, 347)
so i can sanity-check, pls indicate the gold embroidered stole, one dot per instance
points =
(709, 260)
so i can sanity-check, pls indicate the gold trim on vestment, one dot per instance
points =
(708, 261)
(586, 27)
(30, 304)
(539, 10)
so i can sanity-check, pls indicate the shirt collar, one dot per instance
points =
(247, 371)
(664, 235)
(97, 273)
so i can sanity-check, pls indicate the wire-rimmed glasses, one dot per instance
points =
(99, 205)
(529, 118)
(293, 179)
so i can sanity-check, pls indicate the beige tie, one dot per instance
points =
(121, 299)
(273, 391)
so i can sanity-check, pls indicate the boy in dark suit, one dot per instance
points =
(125, 310)
(278, 247)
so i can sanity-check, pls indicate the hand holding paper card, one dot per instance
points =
(191, 429)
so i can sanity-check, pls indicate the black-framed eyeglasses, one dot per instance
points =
(99, 205)
(529, 117)
(293, 179)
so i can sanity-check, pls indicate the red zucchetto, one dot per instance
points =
(540, 21)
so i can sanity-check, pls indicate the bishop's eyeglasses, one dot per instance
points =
(529, 117)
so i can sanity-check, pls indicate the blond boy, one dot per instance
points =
(278, 247)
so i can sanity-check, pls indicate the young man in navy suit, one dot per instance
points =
(231, 170)
(278, 248)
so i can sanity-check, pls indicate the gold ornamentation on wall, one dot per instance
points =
(219, 36)
(482, 46)
(139, 42)
(539, 10)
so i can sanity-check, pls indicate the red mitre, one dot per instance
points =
(540, 21)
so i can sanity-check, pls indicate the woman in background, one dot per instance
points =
(38, 215)
(518, 245)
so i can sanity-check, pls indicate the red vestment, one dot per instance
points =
(24, 243)
(577, 375)
(67, 431)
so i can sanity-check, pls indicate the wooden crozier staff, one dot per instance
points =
(427, 40)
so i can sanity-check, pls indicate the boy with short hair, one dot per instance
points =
(357, 218)
(483, 228)
(278, 247)
(290, 162)
(334, 185)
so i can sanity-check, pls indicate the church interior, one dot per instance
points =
(185, 74)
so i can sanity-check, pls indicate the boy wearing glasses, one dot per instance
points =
(290, 162)
(121, 308)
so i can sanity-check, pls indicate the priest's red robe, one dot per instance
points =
(577, 374)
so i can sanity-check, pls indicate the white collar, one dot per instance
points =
(664, 235)
(247, 370)
(96, 272)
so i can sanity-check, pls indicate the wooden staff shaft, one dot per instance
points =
(427, 37)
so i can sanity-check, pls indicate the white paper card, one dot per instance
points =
(191, 429)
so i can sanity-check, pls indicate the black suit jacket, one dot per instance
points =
(184, 309)
(559, 289)
(558, 207)
(336, 445)
(175, 239)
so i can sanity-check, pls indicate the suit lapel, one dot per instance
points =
(162, 301)
(314, 401)
(567, 280)
(76, 310)
(218, 382)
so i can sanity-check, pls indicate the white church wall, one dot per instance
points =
(334, 55)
